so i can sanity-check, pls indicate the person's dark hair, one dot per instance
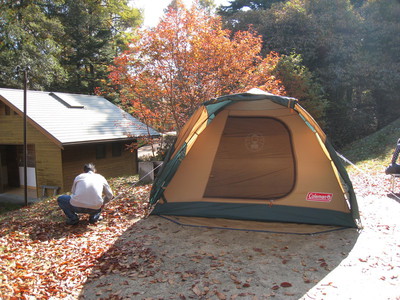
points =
(89, 167)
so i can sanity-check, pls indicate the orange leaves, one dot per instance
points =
(188, 59)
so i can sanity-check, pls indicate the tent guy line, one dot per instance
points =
(369, 176)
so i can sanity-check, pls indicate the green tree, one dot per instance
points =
(240, 5)
(27, 38)
(329, 35)
(338, 62)
(300, 83)
(95, 32)
(381, 65)
(288, 29)
(67, 44)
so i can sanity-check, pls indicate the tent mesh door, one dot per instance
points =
(254, 160)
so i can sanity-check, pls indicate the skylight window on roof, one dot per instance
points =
(68, 100)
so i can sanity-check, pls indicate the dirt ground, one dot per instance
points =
(164, 260)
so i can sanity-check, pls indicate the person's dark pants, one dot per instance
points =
(64, 201)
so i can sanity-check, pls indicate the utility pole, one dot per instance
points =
(25, 154)
(25, 142)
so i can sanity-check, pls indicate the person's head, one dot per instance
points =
(89, 167)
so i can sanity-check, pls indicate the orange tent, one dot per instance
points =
(255, 156)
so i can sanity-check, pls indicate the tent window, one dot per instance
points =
(254, 160)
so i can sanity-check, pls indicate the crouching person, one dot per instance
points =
(86, 196)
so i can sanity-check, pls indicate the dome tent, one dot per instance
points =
(254, 156)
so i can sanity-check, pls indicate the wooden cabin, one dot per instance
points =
(63, 132)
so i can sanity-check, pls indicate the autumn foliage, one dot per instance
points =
(188, 59)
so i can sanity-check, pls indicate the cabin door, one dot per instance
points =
(12, 165)
(1, 176)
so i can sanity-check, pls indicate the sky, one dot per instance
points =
(153, 9)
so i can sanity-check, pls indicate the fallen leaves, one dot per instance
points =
(367, 182)
(285, 284)
(275, 287)
(220, 295)
(41, 257)
(196, 290)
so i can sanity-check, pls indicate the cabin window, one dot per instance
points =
(100, 151)
(7, 110)
(116, 149)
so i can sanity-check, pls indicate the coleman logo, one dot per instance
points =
(319, 197)
(255, 142)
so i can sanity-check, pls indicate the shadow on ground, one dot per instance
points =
(158, 259)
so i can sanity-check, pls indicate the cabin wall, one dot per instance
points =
(47, 159)
(109, 161)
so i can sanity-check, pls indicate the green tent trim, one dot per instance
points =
(256, 212)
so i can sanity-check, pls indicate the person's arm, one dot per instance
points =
(74, 186)
(108, 193)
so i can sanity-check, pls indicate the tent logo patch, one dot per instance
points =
(319, 197)
(255, 142)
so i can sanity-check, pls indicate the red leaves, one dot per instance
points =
(285, 284)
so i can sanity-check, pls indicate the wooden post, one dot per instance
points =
(1, 177)
(25, 142)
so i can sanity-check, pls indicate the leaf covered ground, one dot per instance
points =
(121, 258)
(42, 258)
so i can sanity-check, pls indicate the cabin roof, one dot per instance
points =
(74, 118)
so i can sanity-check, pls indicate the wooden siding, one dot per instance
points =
(75, 156)
(48, 155)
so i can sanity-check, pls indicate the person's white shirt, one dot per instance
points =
(88, 190)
